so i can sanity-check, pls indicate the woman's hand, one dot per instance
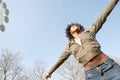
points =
(48, 75)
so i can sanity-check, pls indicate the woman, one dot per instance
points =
(85, 48)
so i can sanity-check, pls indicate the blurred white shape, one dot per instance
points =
(1, 17)
(4, 12)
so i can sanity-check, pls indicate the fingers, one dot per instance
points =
(47, 76)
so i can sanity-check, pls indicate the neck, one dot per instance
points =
(75, 35)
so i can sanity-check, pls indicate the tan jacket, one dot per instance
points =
(89, 47)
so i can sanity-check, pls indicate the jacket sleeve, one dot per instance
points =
(102, 18)
(61, 59)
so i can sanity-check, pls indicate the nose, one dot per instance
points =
(73, 26)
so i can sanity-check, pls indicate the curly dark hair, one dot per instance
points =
(68, 34)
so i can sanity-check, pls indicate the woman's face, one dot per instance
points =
(73, 29)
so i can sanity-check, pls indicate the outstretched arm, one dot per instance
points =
(102, 18)
(62, 58)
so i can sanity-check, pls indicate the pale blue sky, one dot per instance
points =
(36, 28)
